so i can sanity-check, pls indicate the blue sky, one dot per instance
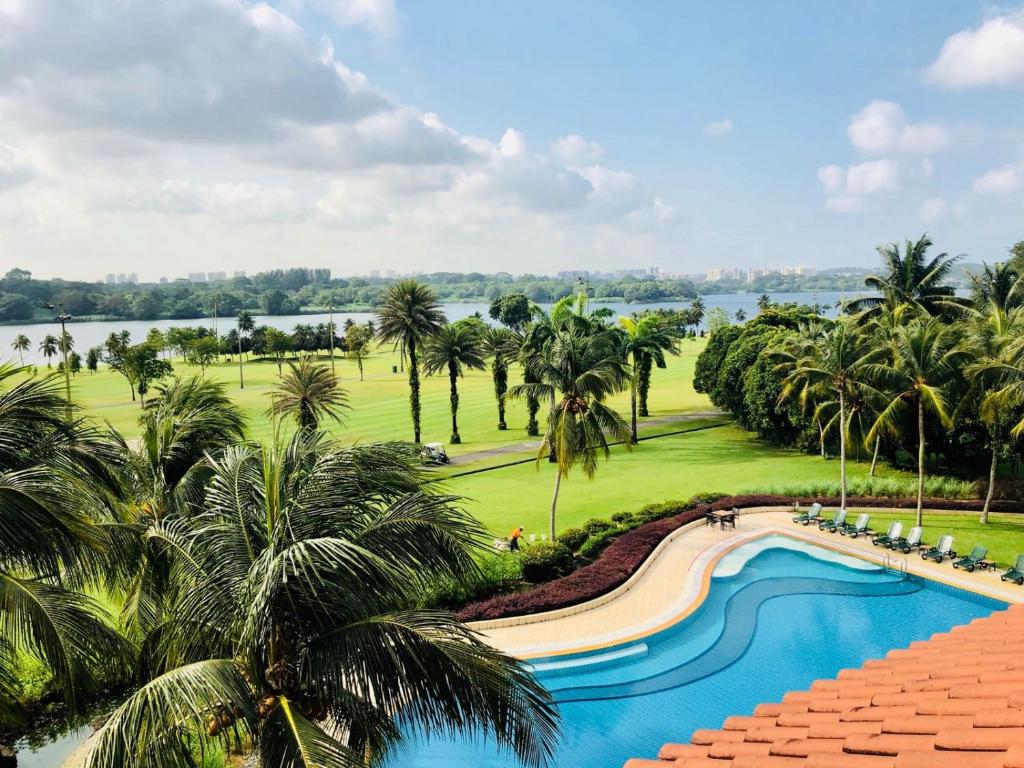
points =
(525, 136)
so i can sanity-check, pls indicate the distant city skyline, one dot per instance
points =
(384, 135)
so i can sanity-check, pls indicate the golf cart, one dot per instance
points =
(434, 454)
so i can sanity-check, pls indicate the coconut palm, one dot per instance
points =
(163, 473)
(999, 284)
(21, 345)
(408, 314)
(992, 339)
(48, 346)
(309, 392)
(835, 366)
(924, 360)
(293, 626)
(910, 277)
(52, 503)
(246, 325)
(581, 366)
(501, 345)
(455, 348)
(646, 339)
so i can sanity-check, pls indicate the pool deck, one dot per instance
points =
(673, 581)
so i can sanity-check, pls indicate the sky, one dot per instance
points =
(459, 135)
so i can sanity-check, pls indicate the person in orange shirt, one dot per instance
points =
(513, 540)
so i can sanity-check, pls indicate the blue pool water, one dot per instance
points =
(779, 614)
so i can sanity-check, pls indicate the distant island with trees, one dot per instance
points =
(311, 291)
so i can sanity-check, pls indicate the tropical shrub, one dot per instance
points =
(496, 573)
(594, 527)
(545, 560)
(573, 538)
(624, 519)
(595, 544)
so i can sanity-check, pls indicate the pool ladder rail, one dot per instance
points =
(895, 565)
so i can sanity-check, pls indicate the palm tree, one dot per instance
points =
(48, 346)
(1000, 284)
(580, 367)
(646, 339)
(408, 314)
(501, 345)
(992, 340)
(309, 392)
(293, 622)
(455, 347)
(910, 277)
(835, 366)
(923, 362)
(764, 301)
(53, 475)
(21, 345)
(246, 324)
(163, 473)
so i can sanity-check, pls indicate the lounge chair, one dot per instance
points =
(891, 535)
(857, 528)
(838, 520)
(940, 551)
(812, 515)
(909, 542)
(971, 561)
(1016, 573)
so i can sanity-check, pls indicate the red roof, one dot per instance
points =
(955, 700)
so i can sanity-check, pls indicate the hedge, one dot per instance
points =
(624, 556)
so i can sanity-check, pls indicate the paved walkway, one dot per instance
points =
(532, 446)
(673, 581)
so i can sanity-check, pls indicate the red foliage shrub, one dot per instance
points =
(627, 553)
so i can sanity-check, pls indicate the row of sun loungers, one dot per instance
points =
(894, 539)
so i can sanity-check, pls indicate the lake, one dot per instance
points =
(93, 334)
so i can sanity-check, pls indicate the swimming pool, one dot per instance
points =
(779, 614)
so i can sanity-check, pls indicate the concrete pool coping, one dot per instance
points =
(674, 580)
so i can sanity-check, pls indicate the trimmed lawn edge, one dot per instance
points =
(624, 556)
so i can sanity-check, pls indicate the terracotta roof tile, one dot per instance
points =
(955, 700)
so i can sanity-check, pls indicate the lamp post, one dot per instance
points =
(62, 317)
(216, 338)
(330, 332)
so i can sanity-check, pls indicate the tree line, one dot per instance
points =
(912, 372)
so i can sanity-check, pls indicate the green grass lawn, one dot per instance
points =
(1003, 535)
(723, 459)
(380, 404)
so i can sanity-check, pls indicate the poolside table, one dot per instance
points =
(721, 518)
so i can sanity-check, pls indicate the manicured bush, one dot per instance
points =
(595, 544)
(624, 519)
(594, 527)
(499, 572)
(545, 560)
(573, 538)
(705, 498)
(651, 512)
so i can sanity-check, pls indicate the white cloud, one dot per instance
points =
(718, 127)
(220, 128)
(832, 177)
(990, 55)
(871, 177)
(931, 208)
(882, 128)
(848, 189)
(1000, 181)
(379, 15)
(576, 150)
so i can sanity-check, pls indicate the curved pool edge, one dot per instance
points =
(695, 590)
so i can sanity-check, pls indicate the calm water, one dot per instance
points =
(777, 617)
(92, 334)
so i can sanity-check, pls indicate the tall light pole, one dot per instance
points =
(216, 338)
(330, 332)
(62, 317)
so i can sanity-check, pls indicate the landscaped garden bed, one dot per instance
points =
(628, 550)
